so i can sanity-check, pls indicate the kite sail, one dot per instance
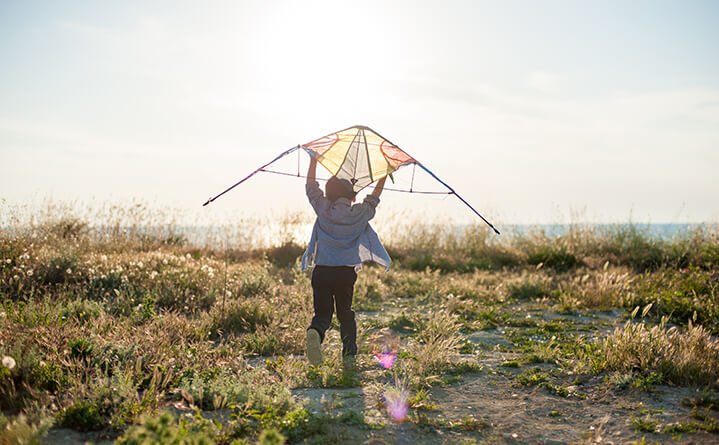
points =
(359, 155)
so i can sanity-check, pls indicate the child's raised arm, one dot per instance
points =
(379, 187)
(312, 171)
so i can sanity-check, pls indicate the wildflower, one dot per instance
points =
(68, 271)
(140, 264)
(8, 362)
(103, 258)
(3, 315)
(164, 261)
(30, 272)
(153, 275)
(8, 261)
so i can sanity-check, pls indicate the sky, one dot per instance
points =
(534, 112)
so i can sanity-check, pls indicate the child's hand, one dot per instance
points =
(313, 155)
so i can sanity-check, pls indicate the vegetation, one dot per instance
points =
(144, 337)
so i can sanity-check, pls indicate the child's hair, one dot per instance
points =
(338, 188)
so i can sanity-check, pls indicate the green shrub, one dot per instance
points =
(80, 348)
(688, 294)
(284, 255)
(238, 317)
(215, 388)
(20, 431)
(82, 310)
(59, 269)
(557, 258)
(82, 416)
(528, 287)
(165, 429)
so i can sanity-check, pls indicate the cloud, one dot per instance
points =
(545, 82)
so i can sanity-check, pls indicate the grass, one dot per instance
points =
(104, 327)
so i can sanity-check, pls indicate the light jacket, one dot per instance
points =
(342, 235)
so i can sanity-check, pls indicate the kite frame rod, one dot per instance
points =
(285, 153)
(459, 197)
(419, 192)
(440, 181)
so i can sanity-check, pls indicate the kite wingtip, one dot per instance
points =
(208, 201)
(496, 231)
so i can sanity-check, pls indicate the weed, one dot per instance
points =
(82, 415)
(164, 428)
(19, 430)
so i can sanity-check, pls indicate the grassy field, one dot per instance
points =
(116, 335)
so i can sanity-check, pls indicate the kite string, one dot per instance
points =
(386, 188)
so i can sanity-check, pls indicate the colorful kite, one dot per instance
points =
(360, 155)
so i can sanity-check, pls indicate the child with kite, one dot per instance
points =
(342, 238)
(341, 241)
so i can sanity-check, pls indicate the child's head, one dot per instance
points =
(338, 188)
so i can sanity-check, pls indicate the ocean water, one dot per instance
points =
(664, 231)
(276, 234)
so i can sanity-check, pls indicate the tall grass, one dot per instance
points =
(104, 321)
(681, 357)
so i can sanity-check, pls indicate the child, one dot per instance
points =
(341, 241)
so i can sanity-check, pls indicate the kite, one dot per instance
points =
(361, 156)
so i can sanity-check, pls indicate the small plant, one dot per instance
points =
(238, 317)
(19, 430)
(402, 324)
(527, 288)
(165, 429)
(82, 415)
(80, 348)
(646, 424)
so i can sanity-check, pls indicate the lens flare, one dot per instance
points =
(386, 359)
(395, 400)
(385, 346)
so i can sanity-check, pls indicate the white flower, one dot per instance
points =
(8, 362)
(68, 271)
(29, 273)
(139, 264)
(153, 275)
(164, 261)
(3, 315)
(8, 261)
(103, 258)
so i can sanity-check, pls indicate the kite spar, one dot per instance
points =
(253, 173)
(360, 155)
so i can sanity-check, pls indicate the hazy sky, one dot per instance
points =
(533, 111)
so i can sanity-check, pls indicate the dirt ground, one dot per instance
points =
(501, 411)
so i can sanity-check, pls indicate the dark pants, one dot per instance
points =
(332, 287)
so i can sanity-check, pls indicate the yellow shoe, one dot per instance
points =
(314, 350)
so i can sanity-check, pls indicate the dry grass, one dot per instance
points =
(109, 322)
(681, 356)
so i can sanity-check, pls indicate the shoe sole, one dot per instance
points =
(314, 350)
